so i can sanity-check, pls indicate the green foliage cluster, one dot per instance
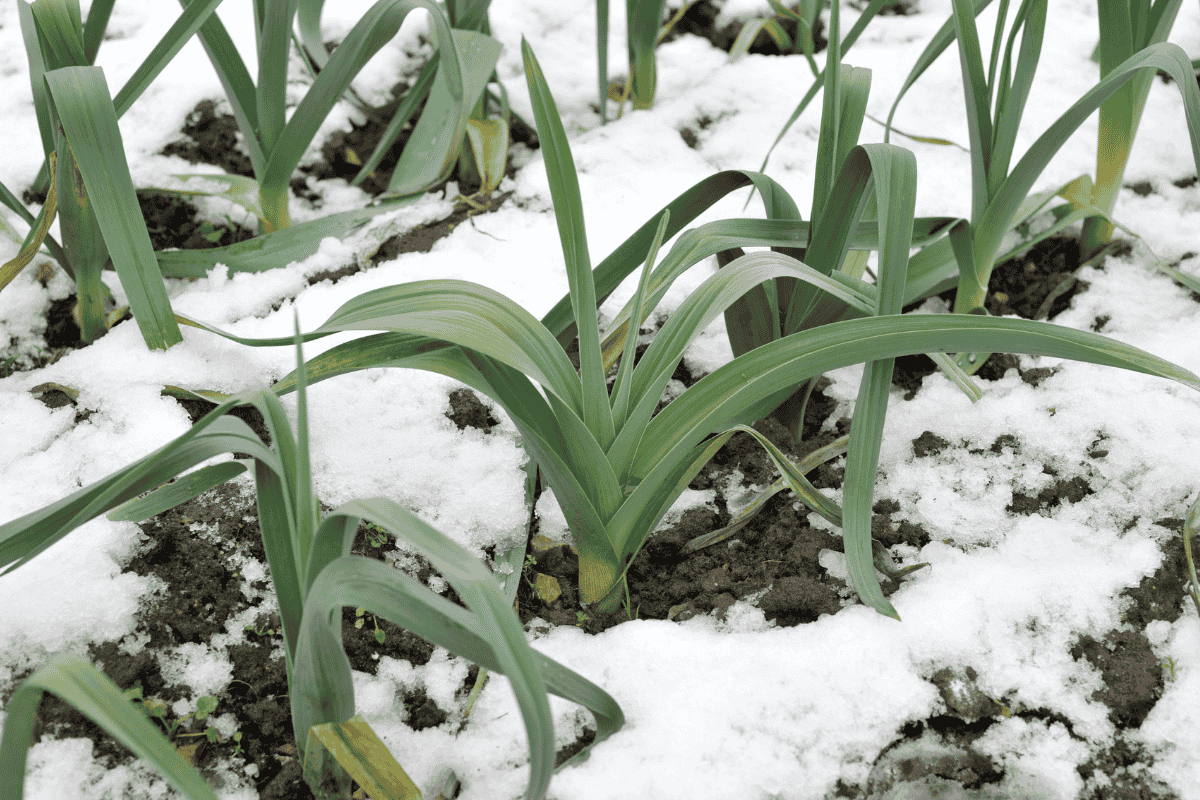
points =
(794, 310)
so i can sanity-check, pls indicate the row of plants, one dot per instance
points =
(793, 311)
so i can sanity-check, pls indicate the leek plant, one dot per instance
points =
(313, 575)
(642, 35)
(276, 144)
(1125, 29)
(614, 466)
(805, 16)
(999, 201)
(88, 182)
(99, 216)
(486, 152)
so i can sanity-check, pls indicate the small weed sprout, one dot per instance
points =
(380, 636)
(155, 708)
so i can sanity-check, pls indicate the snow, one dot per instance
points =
(717, 709)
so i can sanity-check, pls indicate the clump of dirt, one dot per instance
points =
(468, 411)
(212, 138)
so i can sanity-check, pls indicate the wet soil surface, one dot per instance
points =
(201, 555)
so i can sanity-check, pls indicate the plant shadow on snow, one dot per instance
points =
(199, 557)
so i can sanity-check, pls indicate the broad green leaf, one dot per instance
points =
(60, 28)
(270, 250)
(273, 31)
(734, 393)
(696, 244)
(437, 137)
(22, 539)
(174, 494)
(416, 94)
(893, 171)
(194, 15)
(941, 40)
(308, 22)
(684, 208)
(1011, 99)
(568, 212)
(602, 57)
(37, 69)
(489, 145)
(620, 390)
(93, 30)
(717, 293)
(82, 104)
(455, 311)
(979, 116)
(82, 686)
(83, 238)
(718, 399)
(235, 79)
(642, 18)
(362, 755)
(653, 497)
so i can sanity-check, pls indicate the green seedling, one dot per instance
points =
(260, 631)
(376, 536)
(210, 232)
(380, 636)
(157, 709)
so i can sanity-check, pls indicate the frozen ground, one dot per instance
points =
(721, 710)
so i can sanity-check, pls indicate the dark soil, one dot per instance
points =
(212, 138)
(1039, 284)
